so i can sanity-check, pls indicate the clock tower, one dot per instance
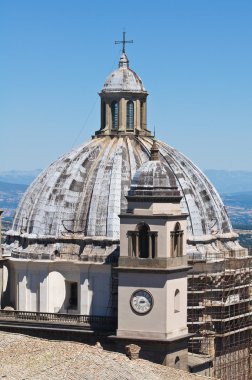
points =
(152, 271)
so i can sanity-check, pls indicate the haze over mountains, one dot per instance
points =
(23, 177)
(229, 182)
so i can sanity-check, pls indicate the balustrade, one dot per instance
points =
(94, 321)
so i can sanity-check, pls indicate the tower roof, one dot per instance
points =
(154, 179)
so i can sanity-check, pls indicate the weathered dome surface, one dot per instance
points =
(81, 194)
(153, 178)
(123, 79)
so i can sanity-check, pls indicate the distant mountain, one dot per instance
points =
(243, 199)
(228, 182)
(24, 177)
(10, 188)
(10, 195)
(239, 207)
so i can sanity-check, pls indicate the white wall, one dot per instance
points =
(56, 292)
(41, 286)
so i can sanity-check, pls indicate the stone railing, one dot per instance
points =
(89, 321)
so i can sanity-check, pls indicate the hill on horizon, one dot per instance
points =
(230, 181)
(22, 177)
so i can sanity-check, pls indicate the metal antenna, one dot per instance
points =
(123, 42)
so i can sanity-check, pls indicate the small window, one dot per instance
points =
(25, 243)
(143, 229)
(115, 114)
(73, 299)
(130, 115)
(177, 362)
(56, 253)
(177, 241)
(177, 301)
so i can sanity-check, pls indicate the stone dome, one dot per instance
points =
(72, 208)
(154, 179)
(79, 197)
(123, 79)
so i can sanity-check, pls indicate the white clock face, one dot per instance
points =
(141, 301)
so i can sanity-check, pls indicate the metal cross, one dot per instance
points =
(123, 42)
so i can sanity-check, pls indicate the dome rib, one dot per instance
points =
(207, 187)
(90, 166)
(114, 201)
(93, 220)
(83, 192)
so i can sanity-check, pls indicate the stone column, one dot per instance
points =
(102, 113)
(137, 244)
(156, 244)
(144, 115)
(137, 114)
(129, 235)
(150, 245)
(107, 111)
(108, 117)
(172, 244)
(181, 242)
(122, 115)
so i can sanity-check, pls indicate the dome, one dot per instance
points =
(79, 197)
(154, 179)
(123, 79)
(73, 207)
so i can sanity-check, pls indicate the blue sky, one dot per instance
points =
(194, 57)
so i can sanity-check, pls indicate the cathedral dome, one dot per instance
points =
(80, 196)
(72, 208)
(123, 79)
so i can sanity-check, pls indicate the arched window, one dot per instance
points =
(177, 301)
(142, 242)
(130, 115)
(143, 229)
(115, 114)
(177, 241)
